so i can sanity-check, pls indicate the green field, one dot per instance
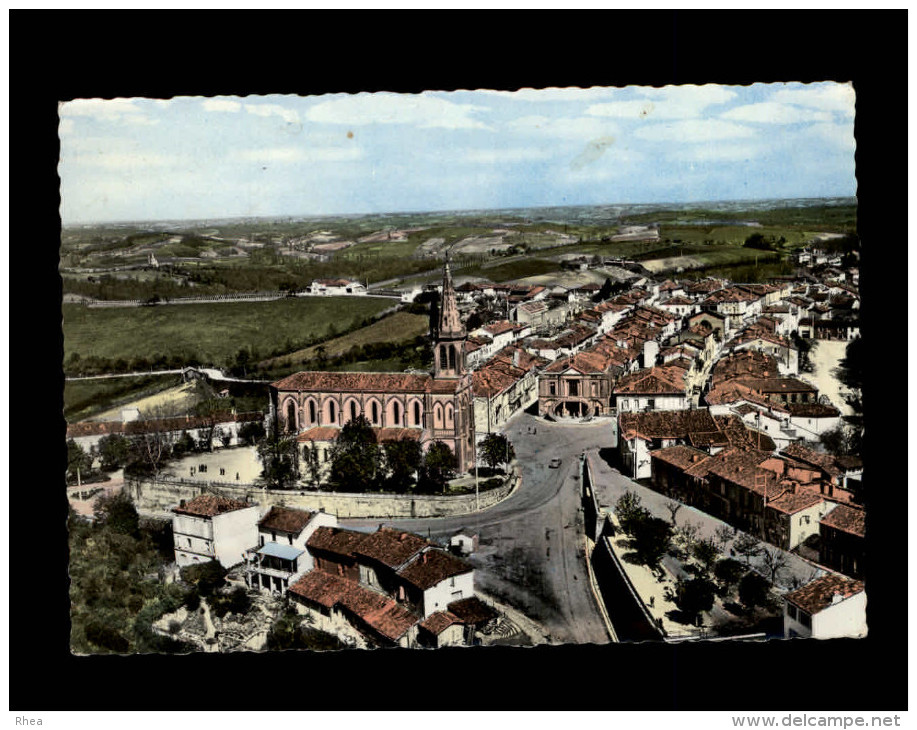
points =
(398, 327)
(85, 398)
(210, 334)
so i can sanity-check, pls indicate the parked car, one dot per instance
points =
(554, 463)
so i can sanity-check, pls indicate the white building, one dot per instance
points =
(280, 557)
(830, 607)
(211, 527)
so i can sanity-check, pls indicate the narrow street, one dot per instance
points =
(531, 552)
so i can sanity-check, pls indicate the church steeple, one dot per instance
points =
(449, 347)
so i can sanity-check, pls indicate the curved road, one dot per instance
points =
(531, 551)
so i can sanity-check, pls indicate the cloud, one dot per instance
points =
(120, 160)
(565, 127)
(633, 109)
(772, 112)
(290, 116)
(555, 94)
(421, 110)
(105, 110)
(502, 155)
(291, 155)
(221, 105)
(694, 130)
(715, 153)
(838, 135)
(827, 97)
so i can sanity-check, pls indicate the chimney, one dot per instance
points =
(516, 357)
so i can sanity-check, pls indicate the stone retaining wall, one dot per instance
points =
(156, 498)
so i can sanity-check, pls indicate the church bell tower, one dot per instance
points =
(449, 337)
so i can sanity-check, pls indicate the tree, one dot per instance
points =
(150, 451)
(747, 546)
(706, 553)
(356, 458)
(117, 512)
(206, 577)
(438, 468)
(312, 467)
(753, 590)
(843, 440)
(672, 506)
(279, 457)
(184, 445)
(114, 452)
(496, 449)
(723, 535)
(629, 511)
(79, 463)
(403, 459)
(602, 294)
(758, 241)
(728, 572)
(775, 560)
(652, 538)
(850, 370)
(251, 432)
(695, 596)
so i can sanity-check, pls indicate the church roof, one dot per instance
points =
(343, 382)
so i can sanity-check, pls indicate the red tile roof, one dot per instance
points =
(379, 612)
(342, 382)
(682, 457)
(285, 519)
(657, 380)
(391, 547)
(439, 621)
(472, 610)
(822, 592)
(432, 567)
(336, 540)
(665, 424)
(847, 519)
(209, 505)
(792, 502)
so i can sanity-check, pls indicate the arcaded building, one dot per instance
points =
(428, 407)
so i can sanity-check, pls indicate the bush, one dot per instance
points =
(207, 577)
(106, 637)
(753, 590)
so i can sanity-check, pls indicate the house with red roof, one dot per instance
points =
(830, 607)
(662, 388)
(212, 527)
(842, 540)
(280, 556)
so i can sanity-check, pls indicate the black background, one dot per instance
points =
(57, 56)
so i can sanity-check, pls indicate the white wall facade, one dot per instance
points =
(452, 589)
(233, 533)
(844, 619)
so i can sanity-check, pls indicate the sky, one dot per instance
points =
(221, 157)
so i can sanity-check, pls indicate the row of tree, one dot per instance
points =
(712, 575)
(358, 462)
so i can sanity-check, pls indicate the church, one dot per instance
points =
(427, 407)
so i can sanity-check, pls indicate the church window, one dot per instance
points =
(396, 413)
(291, 416)
(416, 413)
(375, 412)
(311, 411)
(452, 357)
(332, 412)
(353, 410)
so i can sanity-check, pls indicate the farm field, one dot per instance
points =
(398, 327)
(85, 399)
(210, 334)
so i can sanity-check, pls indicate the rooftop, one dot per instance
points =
(823, 592)
(285, 519)
(209, 505)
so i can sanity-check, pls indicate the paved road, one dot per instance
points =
(531, 545)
